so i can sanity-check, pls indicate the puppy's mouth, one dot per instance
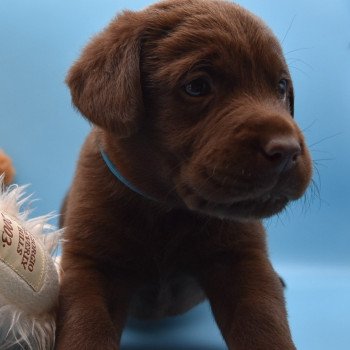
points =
(259, 207)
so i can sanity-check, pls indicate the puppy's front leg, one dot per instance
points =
(247, 300)
(84, 319)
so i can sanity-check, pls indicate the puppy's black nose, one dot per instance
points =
(283, 152)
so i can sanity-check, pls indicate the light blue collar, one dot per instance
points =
(113, 169)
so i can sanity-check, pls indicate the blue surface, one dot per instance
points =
(309, 244)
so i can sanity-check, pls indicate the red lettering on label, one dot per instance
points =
(20, 241)
(32, 257)
(26, 254)
(7, 233)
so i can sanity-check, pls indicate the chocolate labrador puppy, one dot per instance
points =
(193, 144)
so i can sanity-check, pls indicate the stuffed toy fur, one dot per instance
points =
(29, 280)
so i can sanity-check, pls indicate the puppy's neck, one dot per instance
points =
(136, 167)
(117, 173)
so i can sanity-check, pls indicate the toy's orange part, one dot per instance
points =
(6, 167)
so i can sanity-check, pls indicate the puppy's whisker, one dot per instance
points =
(294, 59)
(313, 192)
(288, 29)
(316, 171)
(305, 203)
(323, 159)
(320, 165)
(309, 196)
(313, 150)
(299, 49)
(300, 70)
(310, 125)
(279, 218)
(326, 138)
(288, 212)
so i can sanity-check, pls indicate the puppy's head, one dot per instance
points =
(207, 83)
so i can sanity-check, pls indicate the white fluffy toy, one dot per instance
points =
(29, 280)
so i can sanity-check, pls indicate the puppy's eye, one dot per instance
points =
(282, 88)
(198, 87)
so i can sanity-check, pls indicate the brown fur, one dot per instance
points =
(206, 160)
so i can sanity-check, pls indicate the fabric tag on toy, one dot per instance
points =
(22, 252)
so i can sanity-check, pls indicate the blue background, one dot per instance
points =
(309, 244)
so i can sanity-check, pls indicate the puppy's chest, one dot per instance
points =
(170, 252)
(159, 246)
(177, 248)
(171, 243)
(165, 241)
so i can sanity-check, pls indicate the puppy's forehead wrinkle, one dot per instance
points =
(176, 71)
(227, 36)
(240, 69)
(205, 30)
(186, 20)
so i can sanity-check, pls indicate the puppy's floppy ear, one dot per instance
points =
(105, 82)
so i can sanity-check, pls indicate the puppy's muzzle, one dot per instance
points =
(250, 169)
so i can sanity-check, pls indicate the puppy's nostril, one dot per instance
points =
(283, 152)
